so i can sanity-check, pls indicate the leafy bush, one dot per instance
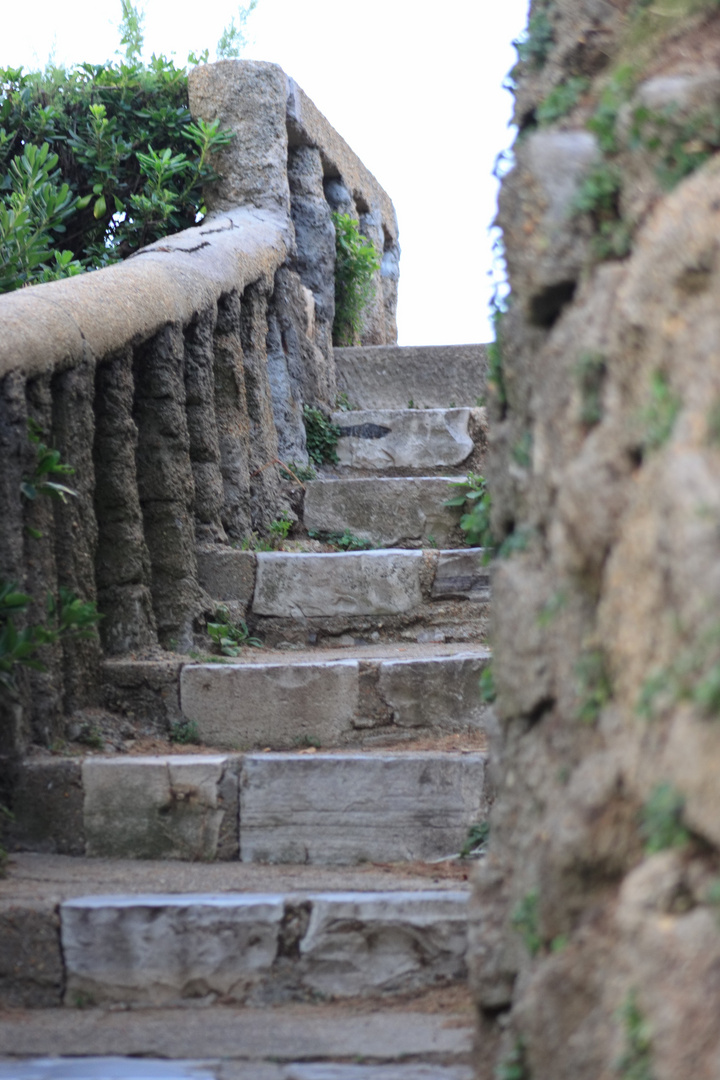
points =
(95, 162)
(356, 263)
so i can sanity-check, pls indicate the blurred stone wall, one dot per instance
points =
(595, 939)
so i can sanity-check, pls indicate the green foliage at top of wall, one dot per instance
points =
(95, 162)
(534, 45)
(356, 263)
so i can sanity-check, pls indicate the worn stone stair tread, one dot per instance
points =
(390, 376)
(386, 511)
(375, 1032)
(118, 1068)
(383, 582)
(165, 949)
(334, 701)
(411, 439)
(355, 807)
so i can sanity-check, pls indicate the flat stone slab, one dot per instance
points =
(344, 583)
(166, 949)
(385, 510)
(273, 704)
(462, 574)
(429, 376)
(117, 1068)
(383, 944)
(175, 807)
(403, 438)
(246, 1039)
(163, 949)
(346, 808)
(440, 694)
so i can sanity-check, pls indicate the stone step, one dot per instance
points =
(391, 377)
(290, 694)
(408, 441)
(171, 949)
(327, 809)
(118, 1068)
(386, 511)
(306, 596)
(287, 703)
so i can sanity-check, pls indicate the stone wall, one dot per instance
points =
(595, 941)
(173, 383)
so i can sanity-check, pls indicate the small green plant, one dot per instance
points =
(658, 688)
(595, 686)
(254, 542)
(411, 404)
(185, 733)
(342, 403)
(309, 742)
(599, 198)
(47, 468)
(356, 264)
(659, 415)
(341, 541)
(636, 1061)
(522, 450)
(229, 637)
(514, 1065)
(552, 608)
(279, 530)
(591, 371)
(475, 523)
(661, 820)
(476, 840)
(91, 736)
(561, 100)
(516, 541)
(321, 436)
(603, 122)
(303, 473)
(488, 693)
(533, 46)
(525, 921)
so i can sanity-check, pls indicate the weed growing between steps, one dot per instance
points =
(345, 541)
(356, 263)
(321, 436)
(230, 637)
(475, 522)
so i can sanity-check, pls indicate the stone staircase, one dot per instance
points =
(307, 856)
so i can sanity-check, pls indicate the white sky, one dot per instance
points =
(414, 86)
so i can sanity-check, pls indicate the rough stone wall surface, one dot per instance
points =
(595, 943)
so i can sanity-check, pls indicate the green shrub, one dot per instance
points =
(185, 733)
(475, 523)
(95, 162)
(356, 263)
(229, 637)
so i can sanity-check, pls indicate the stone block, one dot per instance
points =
(379, 943)
(431, 376)
(404, 438)
(143, 690)
(48, 808)
(175, 807)
(165, 949)
(441, 694)
(384, 510)
(251, 705)
(227, 574)
(343, 583)
(462, 574)
(347, 808)
(31, 967)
